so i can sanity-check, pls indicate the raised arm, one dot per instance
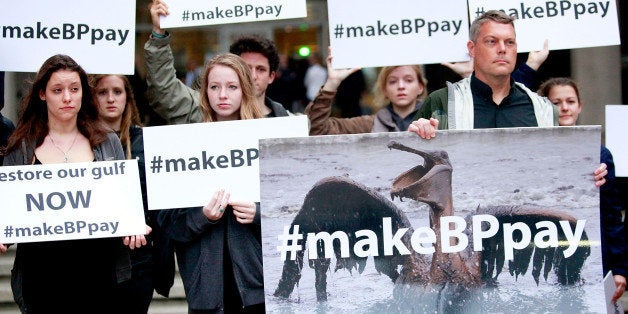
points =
(319, 109)
(167, 95)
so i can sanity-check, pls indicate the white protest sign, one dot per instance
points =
(186, 164)
(70, 201)
(609, 290)
(186, 13)
(381, 33)
(566, 24)
(616, 130)
(99, 36)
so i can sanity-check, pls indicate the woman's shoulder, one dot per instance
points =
(111, 147)
(135, 130)
(111, 137)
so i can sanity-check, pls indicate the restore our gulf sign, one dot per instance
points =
(70, 201)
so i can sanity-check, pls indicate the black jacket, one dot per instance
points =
(6, 128)
(613, 241)
(158, 257)
(200, 246)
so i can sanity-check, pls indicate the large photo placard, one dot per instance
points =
(368, 33)
(514, 222)
(566, 24)
(187, 13)
(70, 201)
(100, 37)
(185, 164)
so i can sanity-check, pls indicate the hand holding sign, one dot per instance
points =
(244, 211)
(537, 57)
(335, 76)
(215, 209)
(620, 286)
(157, 10)
(464, 68)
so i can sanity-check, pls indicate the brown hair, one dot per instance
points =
(545, 88)
(249, 108)
(130, 115)
(380, 84)
(490, 15)
(32, 125)
(257, 44)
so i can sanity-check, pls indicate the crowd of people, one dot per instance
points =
(68, 116)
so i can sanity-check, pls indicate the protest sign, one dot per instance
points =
(186, 13)
(186, 164)
(463, 222)
(566, 24)
(616, 130)
(101, 38)
(609, 289)
(375, 33)
(70, 201)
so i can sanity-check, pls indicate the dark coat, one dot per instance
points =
(6, 128)
(112, 258)
(613, 236)
(158, 257)
(200, 247)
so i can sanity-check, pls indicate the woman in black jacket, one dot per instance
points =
(218, 245)
(59, 124)
(152, 256)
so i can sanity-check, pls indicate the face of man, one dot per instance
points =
(260, 70)
(494, 52)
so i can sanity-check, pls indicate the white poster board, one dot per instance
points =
(380, 33)
(609, 290)
(566, 24)
(99, 36)
(186, 164)
(186, 13)
(616, 137)
(70, 201)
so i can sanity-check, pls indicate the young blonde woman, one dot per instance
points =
(399, 90)
(218, 246)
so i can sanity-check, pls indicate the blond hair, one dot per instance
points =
(379, 90)
(249, 108)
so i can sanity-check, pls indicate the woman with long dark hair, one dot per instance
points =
(59, 124)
